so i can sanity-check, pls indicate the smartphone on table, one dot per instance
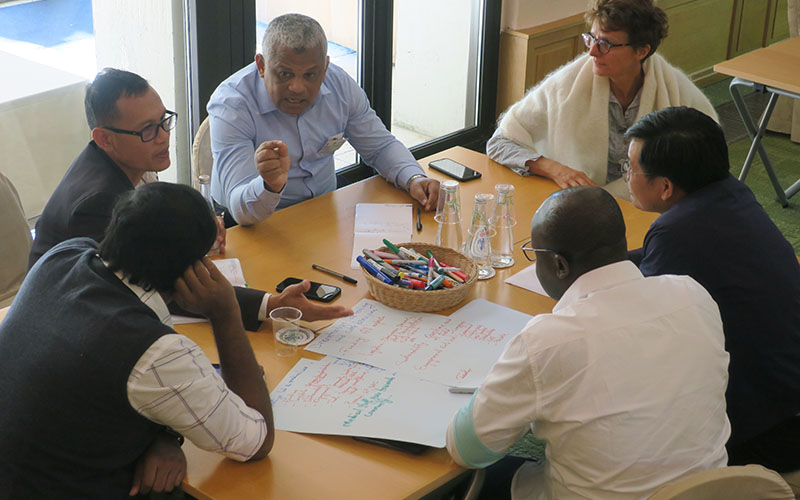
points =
(454, 169)
(317, 291)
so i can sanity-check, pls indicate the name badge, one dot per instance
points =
(333, 143)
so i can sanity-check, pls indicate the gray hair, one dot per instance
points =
(293, 31)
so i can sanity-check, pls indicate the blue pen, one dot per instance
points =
(373, 271)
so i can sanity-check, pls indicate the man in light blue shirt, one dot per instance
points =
(276, 123)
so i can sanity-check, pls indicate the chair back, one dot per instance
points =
(202, 159)
(747, 482)
(15, 241)
(793, 478)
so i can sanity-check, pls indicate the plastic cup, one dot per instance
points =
(289, 335)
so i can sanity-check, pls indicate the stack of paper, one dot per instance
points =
(388, 372)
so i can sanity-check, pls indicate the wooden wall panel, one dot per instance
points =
(702, 33)
(694, 43)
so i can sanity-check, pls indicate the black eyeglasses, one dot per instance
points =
(150, 132)
(603, 46)
(527, 250)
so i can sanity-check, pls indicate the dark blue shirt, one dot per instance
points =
(723, 238)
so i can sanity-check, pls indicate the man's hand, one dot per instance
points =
(272, 163)
(562, 175)
(204, 290)
(162, 467)
(293, 296)
(425, 191)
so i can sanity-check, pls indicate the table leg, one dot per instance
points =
(757, 134)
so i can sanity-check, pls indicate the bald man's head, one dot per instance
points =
(582, 228)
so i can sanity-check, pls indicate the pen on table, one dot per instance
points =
(419, 221)
(462, 390)
(334, 273)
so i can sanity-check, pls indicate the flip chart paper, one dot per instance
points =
(336, 396)
(528, 280)
(376, 221)
(457, 350)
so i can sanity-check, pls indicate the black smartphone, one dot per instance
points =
(318, 291)
(454, 169)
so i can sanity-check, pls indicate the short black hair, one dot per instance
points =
(156, 232)
(682, 144)
(103, 92)
(585, 222)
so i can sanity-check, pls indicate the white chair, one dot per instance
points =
(202, 159)
(15, 241)
(748, 482)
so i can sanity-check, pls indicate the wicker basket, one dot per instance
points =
(431, 300)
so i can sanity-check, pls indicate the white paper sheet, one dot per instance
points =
(232, 270)
(457, 350)
(336, 396)
(528, 280)
(376, 221)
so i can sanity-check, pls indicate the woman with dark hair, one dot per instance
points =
(570, 127)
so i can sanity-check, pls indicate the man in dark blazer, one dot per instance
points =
(130, 142)
(712, 228)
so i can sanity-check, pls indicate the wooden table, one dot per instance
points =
(774, 69)
(320, 231)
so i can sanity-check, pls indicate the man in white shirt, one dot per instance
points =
(625, 380)
(95, 381)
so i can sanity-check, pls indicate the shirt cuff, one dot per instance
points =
(463, 443)
(263, 311)
(407, 173)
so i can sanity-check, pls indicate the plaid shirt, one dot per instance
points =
(174, 384)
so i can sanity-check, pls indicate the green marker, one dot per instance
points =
(391, 246)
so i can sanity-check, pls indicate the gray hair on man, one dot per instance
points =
(293, 31)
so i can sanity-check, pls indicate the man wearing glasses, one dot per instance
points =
(713, 229)
(130, 142)
(625, 380)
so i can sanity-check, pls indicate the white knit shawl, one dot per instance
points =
(565, 117)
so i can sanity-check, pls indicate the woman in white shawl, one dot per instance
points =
(569, 128)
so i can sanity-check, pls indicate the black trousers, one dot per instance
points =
(777, 449)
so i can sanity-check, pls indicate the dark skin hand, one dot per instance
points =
(161, 468)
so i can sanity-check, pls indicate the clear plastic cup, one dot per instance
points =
(503, 222)
(289, 335)
(448, 215)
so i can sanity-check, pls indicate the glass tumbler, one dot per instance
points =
(448, 215)
(503, 222)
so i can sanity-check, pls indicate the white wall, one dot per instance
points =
(431, 65)
(138, 36)
(521, 14)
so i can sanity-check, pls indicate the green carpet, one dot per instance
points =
(785, 157)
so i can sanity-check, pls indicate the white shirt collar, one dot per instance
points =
(151, 299)
(598, 279)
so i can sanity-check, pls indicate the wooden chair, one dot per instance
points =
(748, 482)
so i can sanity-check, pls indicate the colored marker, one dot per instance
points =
(374, 271)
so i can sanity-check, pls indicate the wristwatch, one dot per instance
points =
(411, 179)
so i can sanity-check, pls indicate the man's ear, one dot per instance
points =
(667, 188)
(562, 266)
(102, 138)
(260, 65)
